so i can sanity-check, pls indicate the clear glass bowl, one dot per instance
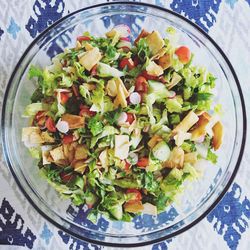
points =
(197, 200)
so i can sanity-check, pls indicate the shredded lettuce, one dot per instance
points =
(95, 125)
(87, 165)
(33, 108)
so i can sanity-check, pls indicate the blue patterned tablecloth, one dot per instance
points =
(227, 226)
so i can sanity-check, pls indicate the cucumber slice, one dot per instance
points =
(161, 151)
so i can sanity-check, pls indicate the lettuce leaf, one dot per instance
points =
(95, 125)
(33, 108)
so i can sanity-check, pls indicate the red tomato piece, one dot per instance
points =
(50, 125)
(85, 111)
(127, 166)
(67, 139)
(39, 115)
(83, 38)
(64, 97)
(183, 54)
(66, 177)
(143, 162)
(141, 84)
(93, 71)
(136, 194)
(130, 118)
(126, 62)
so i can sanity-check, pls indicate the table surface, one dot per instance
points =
(227, 226)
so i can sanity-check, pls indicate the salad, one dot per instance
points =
(119, 125)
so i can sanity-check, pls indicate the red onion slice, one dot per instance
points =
(135, 98)
(123, 30)
(172, 94)
(125, 39)
(132, 158)
(125, 44)
(122, 118)
(62, 126)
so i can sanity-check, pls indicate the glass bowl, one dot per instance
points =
(197, 200)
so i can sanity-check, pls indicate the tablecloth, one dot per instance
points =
(227, 226)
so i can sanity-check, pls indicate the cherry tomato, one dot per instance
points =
(183, 54)
(141, 84)
(66, 177)
(143, 162)
(85, 110)
(64, 97)
(67, 139)
(130, 118)
(75, 90)
(127, 166)
(50, 125)
(136, 194)
(147, 76)
(93, 71)
(126, 62)
(83, 38)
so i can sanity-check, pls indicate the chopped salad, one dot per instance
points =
(117, 125)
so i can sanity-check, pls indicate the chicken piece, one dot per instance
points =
(154, 69)
(218, 135)
(200, 129)
(165, 61)
(121, 146)
(133, 207)
(191, 158)
(81, 152)
(90, 58)
(155, 42)
(189, 120)
(32, 136)
(154, 140)
(74, 121)
(143, 34)
(176, 158)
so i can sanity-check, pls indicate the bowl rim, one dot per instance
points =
(199, 218)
